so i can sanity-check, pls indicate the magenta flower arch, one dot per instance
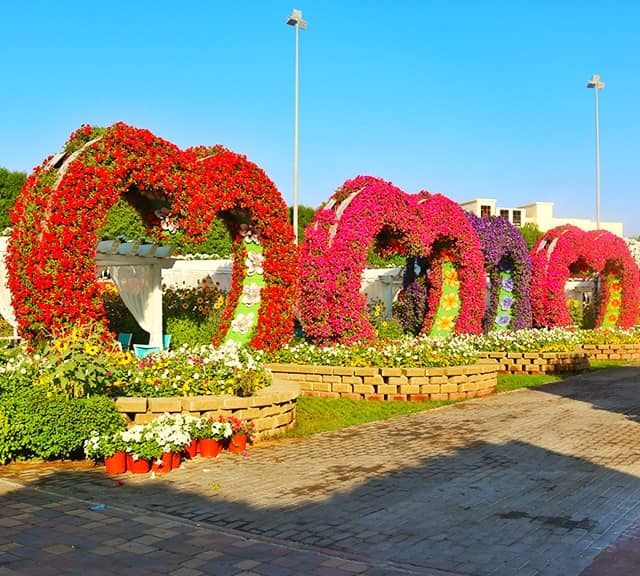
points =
(51, 254)
(450, 235)
(367, 213)
(567, 250)
(503, 245)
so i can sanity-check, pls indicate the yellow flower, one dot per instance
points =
(444, 323)
(60, 346)
(91, 349)
(219, 302)
(450, 301)
(450, 277)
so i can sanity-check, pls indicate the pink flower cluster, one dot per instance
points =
(568, 251)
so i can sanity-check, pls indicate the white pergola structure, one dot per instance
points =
(136, 270)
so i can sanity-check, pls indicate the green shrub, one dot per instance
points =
(35, 423)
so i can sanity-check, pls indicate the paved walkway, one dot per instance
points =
(534, 482)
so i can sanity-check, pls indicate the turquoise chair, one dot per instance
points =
(124, 339)
(166, 341)
(142, 350)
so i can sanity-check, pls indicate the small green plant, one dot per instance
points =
(386, 327)
(575, 311)
(78, 363)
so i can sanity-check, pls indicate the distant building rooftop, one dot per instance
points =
(538, 213)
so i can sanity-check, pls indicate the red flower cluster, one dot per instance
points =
(51, 254)
(569, 251)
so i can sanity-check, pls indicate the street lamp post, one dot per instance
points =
(597, 84)
(296, 20)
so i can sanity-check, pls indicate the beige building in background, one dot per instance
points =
(538, 213)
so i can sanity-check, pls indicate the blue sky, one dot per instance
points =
(467, 98)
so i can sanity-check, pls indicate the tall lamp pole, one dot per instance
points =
(296, 20)
(597, 84)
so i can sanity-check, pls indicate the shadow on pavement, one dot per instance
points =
(483, 508)
(612, 389)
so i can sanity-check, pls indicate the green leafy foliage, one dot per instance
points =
(530, 232)
(10, 185)
(79, 363)
(123, 220)
(305, 217)
(36, 423)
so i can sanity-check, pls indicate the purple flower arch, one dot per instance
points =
(500, 240)
(567, 249)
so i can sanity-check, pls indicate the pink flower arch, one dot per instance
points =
(567, 250)
(366, 213)
(451, 236)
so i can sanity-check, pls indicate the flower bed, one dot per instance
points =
(537, 362)
(371, 383)
(272, 409)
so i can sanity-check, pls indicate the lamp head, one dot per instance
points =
(296, 19)
(595, 82)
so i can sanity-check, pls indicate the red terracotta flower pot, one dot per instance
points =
(139, 466)
(238, 443)
(116, 463)
(209, 448)
(191, 449)
(162, 464)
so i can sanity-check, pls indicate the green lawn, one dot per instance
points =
(324, 414)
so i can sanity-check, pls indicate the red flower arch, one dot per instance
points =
(567, 250)
(367, 213)
(50, 258)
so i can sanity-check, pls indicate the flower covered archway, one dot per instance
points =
(370, 213)
(51, 254)
(455, 265)
(363, 213)
(508, 263)
(567, 250)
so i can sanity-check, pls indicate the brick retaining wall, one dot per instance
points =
(449, 383)
(537, 362)
(272, 409)
(612, 351)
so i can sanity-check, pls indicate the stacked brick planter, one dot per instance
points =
(272, 409)
(537, 362)
(449, 383)
(627, 352)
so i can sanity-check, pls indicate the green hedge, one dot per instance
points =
(39, 424)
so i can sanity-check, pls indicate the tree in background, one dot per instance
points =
(530, 232)
(305, 217)
(10, 185)
(124, 220)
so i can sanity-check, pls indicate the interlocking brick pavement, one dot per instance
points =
(533, 482)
